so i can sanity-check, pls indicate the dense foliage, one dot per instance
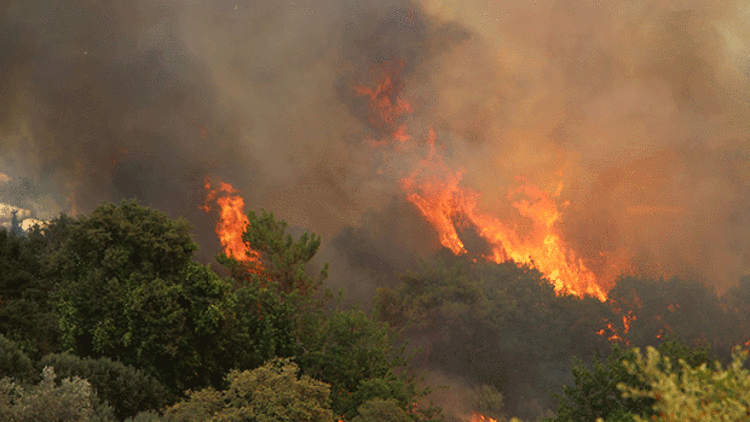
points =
(116, 305)
(271, 393)
(499, 325)
(685, 391)
(72, 400)
(596, 392)
(118, 291)
(128, 390)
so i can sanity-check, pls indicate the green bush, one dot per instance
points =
(14, 363)
(691, 393)
(595, 393)
(271, 393)
(73, 400)
(126, 389)
(487, 400)
(147, 416)
(379, 410)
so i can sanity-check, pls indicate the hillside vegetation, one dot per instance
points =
(109, 317)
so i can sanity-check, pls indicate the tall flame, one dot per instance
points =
(232, 222)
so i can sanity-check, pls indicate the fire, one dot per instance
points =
(385, 101)
(477, 417)
(436, 190)
(232, 222)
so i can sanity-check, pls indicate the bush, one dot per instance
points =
(379, 410)
(147, 416)
(72, 401)
(271, 393)
(691, 393)
(596, 395)
(14, 363)
(126, 389)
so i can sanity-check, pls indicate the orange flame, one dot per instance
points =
(436, 190)
(478, 417)
(385, 99)
(232, 222)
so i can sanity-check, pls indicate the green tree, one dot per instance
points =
(356, 355)
(345, 348)
(14, 363)
(495, 324)
(129, 290)
(283, 260)
(687, 310)
(271, 393)
(488, 401)
(379, 410)
(27, 311)
(595, 393)
(688, 392)
(128, 390)
(73, 400)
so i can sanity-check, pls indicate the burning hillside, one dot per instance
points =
(582, 140)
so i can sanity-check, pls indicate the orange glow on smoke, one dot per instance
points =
(232, 222)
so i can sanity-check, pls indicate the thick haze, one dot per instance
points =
(639, 108)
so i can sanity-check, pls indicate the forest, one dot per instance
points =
(110, 317)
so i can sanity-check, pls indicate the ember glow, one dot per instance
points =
(232, 222)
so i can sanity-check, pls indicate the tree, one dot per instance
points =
(356, 355)
(27, 311)
(128, 390)
(129, 290)
(688, 392)
(687, 310)
(282, 312)
(495, 324)
(271, 393)
(14, 363)
(284, 260)
(596, 392)
(72, 400)
(379, 410)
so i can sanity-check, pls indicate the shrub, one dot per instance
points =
(271, 393)
(147, 416)
(379, 410)
(126, 389)
(691, 394)
(73, 400)
(14, 363)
